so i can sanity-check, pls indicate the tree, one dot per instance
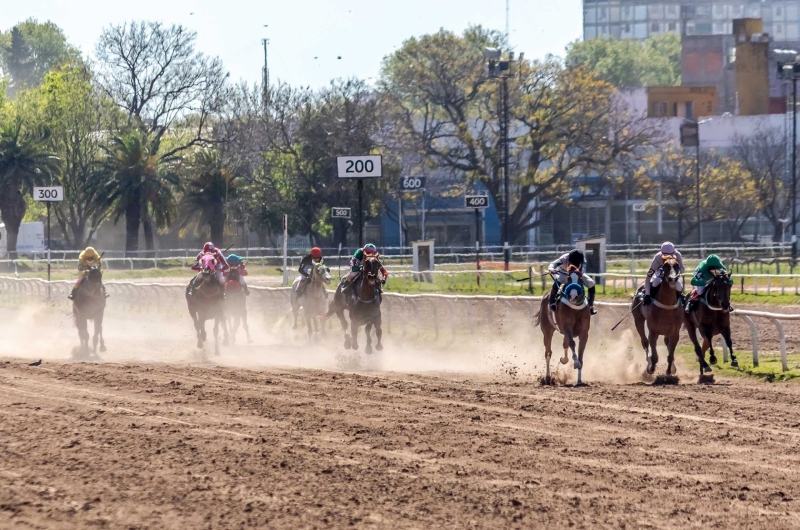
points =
(24, 162)
(207, 193)
(31, 49)
(627, 63)
(80, 119)
(161, 82)
(566, 133)
(727, 189)
(764, 155)
(134, 182)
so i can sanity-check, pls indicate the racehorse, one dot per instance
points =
(204, 298)
(313, 298)
(664, 316)
(712, 318)
(236, 305)
(89, 303)
(572, 318)
(363, 304)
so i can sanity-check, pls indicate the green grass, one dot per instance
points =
(769, 366)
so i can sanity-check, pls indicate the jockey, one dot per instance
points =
(359, 256)
(306, 264)
(222, 264)
(559, 268)
(667, 249)
(236, 261)
(87, 259)
(703, 275)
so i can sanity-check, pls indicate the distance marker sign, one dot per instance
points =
(476, 201)
(49, 194)
(359, 167)
(340, 213)
(412, 183)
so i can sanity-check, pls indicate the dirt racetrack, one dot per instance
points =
(178, 446)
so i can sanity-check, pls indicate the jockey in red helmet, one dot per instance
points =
(222, 263)
(306, 264)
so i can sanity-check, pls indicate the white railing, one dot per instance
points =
(479, 312)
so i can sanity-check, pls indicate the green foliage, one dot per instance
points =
(209, 186)
(628, 63)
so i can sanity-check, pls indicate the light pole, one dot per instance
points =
(499, 68)
(690, 137)
(791, 70)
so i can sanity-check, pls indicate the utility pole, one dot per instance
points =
(794, 170)
(506, 202)
(265, 74)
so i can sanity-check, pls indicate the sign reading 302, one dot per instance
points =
(49, 194)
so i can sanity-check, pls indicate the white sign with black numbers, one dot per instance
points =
(340, 213)
(639, 207)
(412, 183)
(359, 167)
(476, 201)
(50, 194)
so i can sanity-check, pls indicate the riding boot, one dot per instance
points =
(72, 294)
(592, 310)
(246, 290)
(553, 296)
(105, 294)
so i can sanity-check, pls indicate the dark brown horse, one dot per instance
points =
(89, 303)
(205, 300)
(363, 302)
(664, 316)
(572, 319)
(236, 305)
(712, 317)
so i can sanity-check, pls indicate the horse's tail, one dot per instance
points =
(537, 318)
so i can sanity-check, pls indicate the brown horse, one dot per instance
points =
(364, 305)
(205, 301)
(90, 304)
(712, 318)
(664, 316)
(572, 318)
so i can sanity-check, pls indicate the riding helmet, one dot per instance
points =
(316, 253)
(369, 248)
(576, 258)
(667, 248)
(713, 262)
(209, 247)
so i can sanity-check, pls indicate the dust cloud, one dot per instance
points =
(514, 351)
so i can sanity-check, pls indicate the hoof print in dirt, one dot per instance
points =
(706, 379)
(667, 380)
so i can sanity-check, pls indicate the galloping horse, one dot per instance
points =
(89, 303)
(236, 305)
(364, 306)
(664, 316)
(572, 318)
(313, 298)
(204, 298)
(712, 318)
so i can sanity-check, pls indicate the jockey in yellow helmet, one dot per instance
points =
(87, 259)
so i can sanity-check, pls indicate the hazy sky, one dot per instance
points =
(307, 36)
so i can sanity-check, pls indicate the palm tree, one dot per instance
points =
(138, 184)
(24, 162)
(207, 193)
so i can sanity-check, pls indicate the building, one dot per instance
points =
(639, 19)
(681, 101)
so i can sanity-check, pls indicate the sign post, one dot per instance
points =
(360, 167)
(285, 249)
(410, 184)
(48, 195)
(478, 202)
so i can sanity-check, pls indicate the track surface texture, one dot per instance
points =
(178, 446)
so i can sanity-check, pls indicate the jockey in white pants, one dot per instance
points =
(667, 249)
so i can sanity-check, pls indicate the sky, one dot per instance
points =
(307, 37)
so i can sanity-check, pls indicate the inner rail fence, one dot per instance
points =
(434, 318)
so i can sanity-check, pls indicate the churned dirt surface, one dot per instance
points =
(156, 445)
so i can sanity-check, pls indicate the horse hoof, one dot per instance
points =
(577, 365)
(706, 369)
(651, 368)
(294, 327)
(226, 342)
(712, 359)
(103, 349)
(734, 364)
(564, 360)
(354, 346)
(672, 369)
(379, 347)
(368, 349)
(249, 340)
(347, 343)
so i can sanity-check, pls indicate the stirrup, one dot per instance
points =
(592, 310)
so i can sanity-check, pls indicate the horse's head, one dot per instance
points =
(208, 265)
(575, 275)
(718, 292)
(671, 270)
(94, 274)
(233, 273)
(370, 269)
(322, 273)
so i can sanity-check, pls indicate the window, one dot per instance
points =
(590, 16)
(737, 11)
(654, 27)
(660, 109)
(792, 32)
(719, 11)
(590, 32)
(719, 28)
(640, 31)
(627, 13)
(640, 12)
(675, 109)
(754, 11)
(673, 26)
(602, 14)
(777, 12)
(672, 11)
(689, 110)
(614, 14)
(779, 31)
(792, 12)
(703, 29)
(656, 11)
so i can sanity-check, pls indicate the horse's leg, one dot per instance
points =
(83, 333)
(216, 336)
(367, 332)
(698, 351)
(354, 332)
(569, 341)
(308, 318)
(639, 322)
(671, 343)
(708, 335)
(652, 339)
(95, 336)
(295, 308)
(246, 326)
(340, 314)
(726, 335)
(379, 332)
(99, 323)
(583, 338)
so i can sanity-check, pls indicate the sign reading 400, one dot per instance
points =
(359, 167)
